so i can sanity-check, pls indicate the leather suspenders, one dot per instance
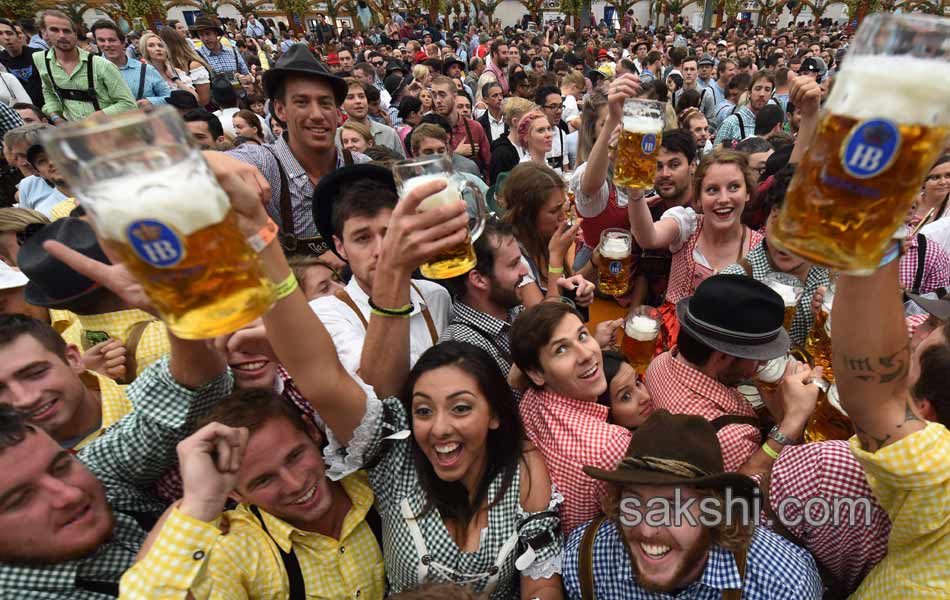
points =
(345, 298)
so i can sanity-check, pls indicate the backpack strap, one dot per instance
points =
(141, 92)
(298, 590)
(131, 345)
(585, 559)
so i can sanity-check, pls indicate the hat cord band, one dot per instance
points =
(665, 465)
(726, 335)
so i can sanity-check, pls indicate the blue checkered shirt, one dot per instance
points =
(776, 569)
(225, 60)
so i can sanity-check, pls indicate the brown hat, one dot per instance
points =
(203, 23)
(673, 449)
(17, 219)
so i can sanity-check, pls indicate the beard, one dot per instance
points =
(692, 557)
(676, 192)
(505, 297)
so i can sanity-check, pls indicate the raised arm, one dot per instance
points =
(872, 363)
(661, 234)
(598, 161)
(412, 238)
(805, 94)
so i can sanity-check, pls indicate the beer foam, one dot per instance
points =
(878, 86)
(773, 370)
(643, 125)
(788, 293)
(447, 196)
(641, 328)
(185, 196)
(615, 248)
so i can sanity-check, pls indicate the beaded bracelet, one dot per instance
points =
(402, 311)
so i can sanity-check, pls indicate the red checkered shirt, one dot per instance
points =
(681, 389)
(936, 272)
(572, 434)
(848, 545)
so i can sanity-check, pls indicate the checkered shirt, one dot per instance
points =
(113, 400)
(685, 273)
(681, 389)
(936, 273)
(194, 556)
(394, 479)
(758, 258)
(153, 344)
(572, 434)
(828, 471)
(776, 569)
(129, 457)
(225, 61)
(468, 325)
(9, 119)
(911, 480)
(301, 188)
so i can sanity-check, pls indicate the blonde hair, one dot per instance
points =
(513, 108)
(180, 52)
(575, 78)
(420, 73)
(361, 129)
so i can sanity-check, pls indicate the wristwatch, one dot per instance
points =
(781, 438)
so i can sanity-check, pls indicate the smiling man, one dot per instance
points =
(307, 98)
(144, 81)
(647, 547)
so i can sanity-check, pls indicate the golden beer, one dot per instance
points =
(639, 144)
(818, 342)
(639, 341)
(828, 422)
(458, 260)
(204, 295)
(789, 317)
(879, 133)
(616, 260)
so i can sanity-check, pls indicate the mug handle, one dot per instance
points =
(481, 209)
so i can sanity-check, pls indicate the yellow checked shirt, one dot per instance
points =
(62, 210)
(193, 556)
(152, 345)
(911, 480)
(115, 404)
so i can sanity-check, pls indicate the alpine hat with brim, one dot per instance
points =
(299, 60)
(331, 187)
(670, 449)
(736, 315)
(204, 23)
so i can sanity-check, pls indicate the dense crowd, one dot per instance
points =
(559, 418)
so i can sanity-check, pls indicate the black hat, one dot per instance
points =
(203, 23)
(736, 315)
(706, 61)
(331, 187)
(395, 66)
(451, 61)
(182, 100)
(394, 83)
(594, 74)
(811, 65)
(53, 284)
(670, 449)
(300, 61)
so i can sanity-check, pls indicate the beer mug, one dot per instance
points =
(879, 133)
(155, 203)
(771, 372)
(616, 258)
(790, 288)
(818, 342)
(413, 173)
(640, 330)
(635, 162)
(829, 421)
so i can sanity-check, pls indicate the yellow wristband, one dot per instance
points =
(389, 314)
(286, 287)
(556, 270)
(770, 451)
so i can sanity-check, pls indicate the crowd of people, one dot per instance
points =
(379, 434)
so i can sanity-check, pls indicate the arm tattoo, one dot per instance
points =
(878, 369)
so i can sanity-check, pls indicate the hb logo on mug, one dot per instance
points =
(870, 148)
(155, 243)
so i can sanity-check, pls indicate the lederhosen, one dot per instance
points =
(289, 240)
(87, 95)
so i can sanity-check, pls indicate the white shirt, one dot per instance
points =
(348, 332)
(591, 206)
(571, 110)
(938, 232)
(226, 116)
(497, 127)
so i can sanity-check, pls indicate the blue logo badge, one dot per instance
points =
(648, 145)
(870, 148)
(155, 243)
(615, 267)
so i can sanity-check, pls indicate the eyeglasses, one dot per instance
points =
(377, 64)
(554, 107)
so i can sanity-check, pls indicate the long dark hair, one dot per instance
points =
(504, 445)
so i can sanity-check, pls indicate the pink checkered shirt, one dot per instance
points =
(936, 272)
(681, 389)
(572, 434)
(828, 472)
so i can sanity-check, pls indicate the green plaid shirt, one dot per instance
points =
(127, 459)
(758, 257)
